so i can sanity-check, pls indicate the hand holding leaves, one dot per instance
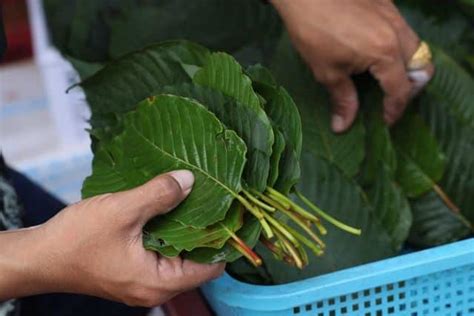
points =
(212, 122)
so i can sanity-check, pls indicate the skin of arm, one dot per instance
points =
(340, 38)
(95, 247)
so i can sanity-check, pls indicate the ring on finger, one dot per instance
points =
(419, 65)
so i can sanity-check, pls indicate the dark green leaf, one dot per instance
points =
(224, 74)
(277, 150)
(167, 133)
(284, 114)
(230, 25)
(448, 107)
(119, 86)
(421, 163)
(159, 234)
(390, 207)
(261, 74)
(379, 147)
(434, 223)
(84, 69)
(345, 150)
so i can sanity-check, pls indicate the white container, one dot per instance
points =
(69, 110)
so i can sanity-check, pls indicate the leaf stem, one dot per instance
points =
(277, 196)
(271, 201)
(258, 214)
(327, 217)
(242, 247)
(280, 228)
(254, 259)
(314, 247)
(449, 203)
(303, 255)
(277, 252)
(291, 250)
(304, 227)
(298, 209)
(258, 202)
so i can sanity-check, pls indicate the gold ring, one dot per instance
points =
(421, 58)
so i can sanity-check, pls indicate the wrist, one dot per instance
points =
(19, 264)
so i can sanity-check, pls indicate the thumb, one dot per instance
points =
(158, 196)
(345, 104)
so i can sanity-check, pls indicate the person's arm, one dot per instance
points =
(339, 38)
(17, 263)
(95, 248)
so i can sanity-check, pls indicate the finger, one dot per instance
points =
(420, 78)
(197, 273)
(409, 43)
(392, 77)
(408, 39)
(157, 196)
(181, 275)
(345, 103)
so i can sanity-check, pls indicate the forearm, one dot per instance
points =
(19, 271)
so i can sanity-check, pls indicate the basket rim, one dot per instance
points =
(234, 293)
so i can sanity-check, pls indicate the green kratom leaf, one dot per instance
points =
(261, 74)
(83, 68)
(249, 233)
(222, 72)
(390, 206)
(434, 223)
(452, 86)
(245, 115)
(230, 26)
(284, 114)
(379, 148)
(87, 37)
(421, 163)
(154, 141)
(159, 234)
(277, 151)
(120, 85)
(345, 150)
(250, 123)
(448, 108)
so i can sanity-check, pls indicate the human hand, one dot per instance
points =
(339, 38)
(95, 247)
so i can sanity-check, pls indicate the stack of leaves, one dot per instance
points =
(176, 105)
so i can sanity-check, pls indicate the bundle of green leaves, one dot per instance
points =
(411, 184)
(176, 105)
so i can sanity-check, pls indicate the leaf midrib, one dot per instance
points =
(185, 163)
(420, 170)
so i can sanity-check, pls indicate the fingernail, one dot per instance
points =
(185, 179)
(337, 123)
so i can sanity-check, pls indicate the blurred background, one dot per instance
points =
(42, 129)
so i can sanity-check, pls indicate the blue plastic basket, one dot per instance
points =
(437, 281)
